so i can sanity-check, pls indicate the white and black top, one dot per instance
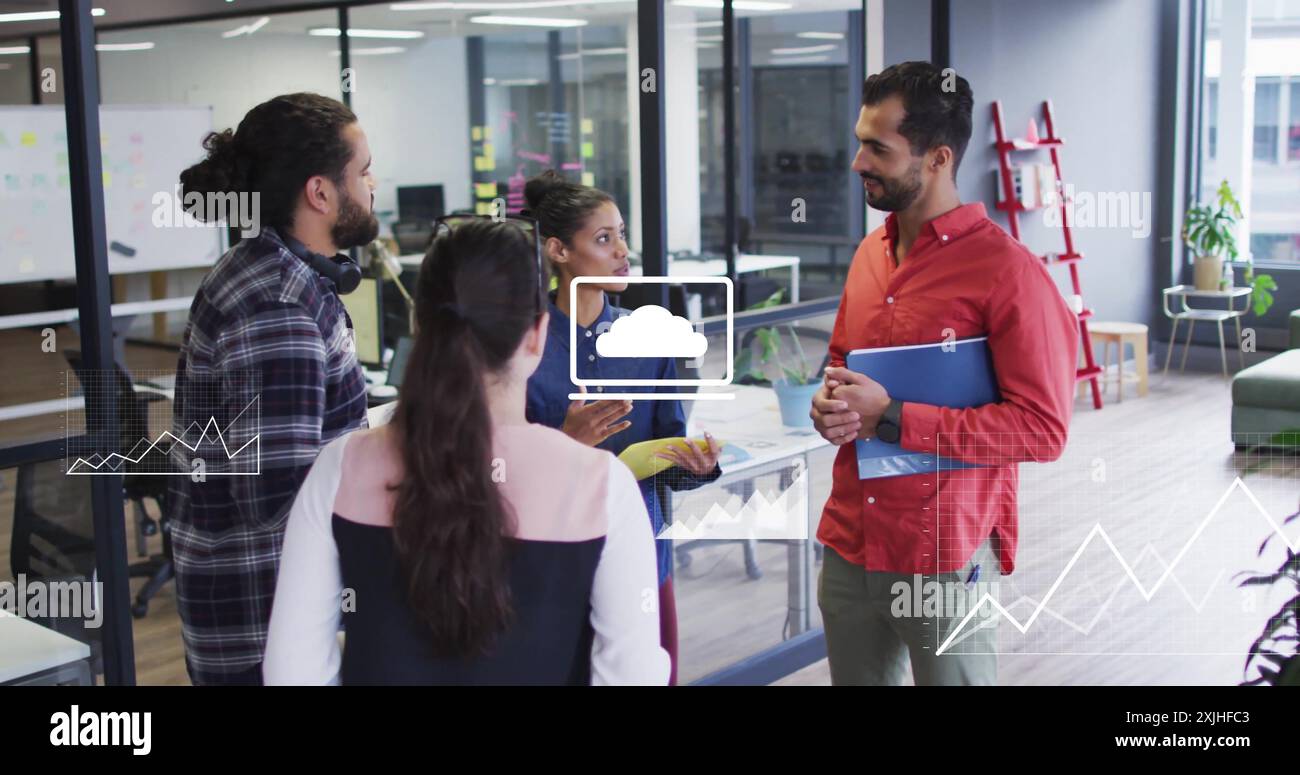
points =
(582, 574)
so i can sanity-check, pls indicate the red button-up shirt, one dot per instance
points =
(963, 277)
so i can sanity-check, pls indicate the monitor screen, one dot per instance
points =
(419, 203)
(365, 307)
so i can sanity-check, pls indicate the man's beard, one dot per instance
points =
(899, 193)
(356, 225)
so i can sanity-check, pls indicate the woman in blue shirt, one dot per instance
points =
(585, 235)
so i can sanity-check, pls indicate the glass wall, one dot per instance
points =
(795, 108)
(471, 107)
(15, 72)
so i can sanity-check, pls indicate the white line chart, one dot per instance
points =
(1099, 533)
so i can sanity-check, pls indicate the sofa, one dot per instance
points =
(1266, 396)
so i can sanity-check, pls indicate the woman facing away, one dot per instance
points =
(459, 544)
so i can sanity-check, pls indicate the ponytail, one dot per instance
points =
(451, 525)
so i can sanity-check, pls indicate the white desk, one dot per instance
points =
(123, 310)
(34, 655)
(711, 267)
(73, 403)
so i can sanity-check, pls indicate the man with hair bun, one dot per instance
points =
(268, 313)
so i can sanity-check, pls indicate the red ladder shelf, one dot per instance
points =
(1012, 206)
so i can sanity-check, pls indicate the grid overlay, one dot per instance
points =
(1116, 556)
(228, 442)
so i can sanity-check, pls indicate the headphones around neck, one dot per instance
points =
(341, 270)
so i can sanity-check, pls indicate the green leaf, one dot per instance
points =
(770, 301)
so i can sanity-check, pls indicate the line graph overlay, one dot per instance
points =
(214, 429)
(1116, 556)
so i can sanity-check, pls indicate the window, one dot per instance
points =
(1268, 139)
(1293, 124)
(1266, 119)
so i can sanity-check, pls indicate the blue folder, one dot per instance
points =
(956, 374)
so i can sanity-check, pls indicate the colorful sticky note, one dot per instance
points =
(485, 190)
(108, 179)
(28, 139)
(588, 150)
(487, 133)
(489, 150)
(484, 164)
(588, 126)
(476, 133)
(588, 179)
(483, 208)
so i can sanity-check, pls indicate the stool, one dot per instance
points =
(1119, 334)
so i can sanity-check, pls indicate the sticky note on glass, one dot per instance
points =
(588, 150)
(476, 133)
(108, 179)
(485, 190)
(28, 139)
(489, 151)
(484, 164)
(588, 126)
(487, 133)
(483, 208)
(588, 179)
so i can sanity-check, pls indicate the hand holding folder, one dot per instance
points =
(956, 374)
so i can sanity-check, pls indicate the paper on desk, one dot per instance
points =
(642, 456)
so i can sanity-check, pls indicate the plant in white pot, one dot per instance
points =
(797, 383)
(1209, 230)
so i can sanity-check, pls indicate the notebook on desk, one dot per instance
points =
(957, 374)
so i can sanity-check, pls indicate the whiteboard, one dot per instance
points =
(144, 150)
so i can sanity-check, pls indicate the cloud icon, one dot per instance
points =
(651, 332)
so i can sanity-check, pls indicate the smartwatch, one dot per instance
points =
(890, 426)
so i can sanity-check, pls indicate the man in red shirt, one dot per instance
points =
(936, 271)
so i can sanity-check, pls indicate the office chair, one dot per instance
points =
(133, 425)
(53, 540)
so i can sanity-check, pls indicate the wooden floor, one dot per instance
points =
(1148, 471)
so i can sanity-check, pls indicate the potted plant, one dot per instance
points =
(1209, 231)
(797, 382)
(1275, 654)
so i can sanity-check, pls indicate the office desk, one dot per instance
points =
(745, 263)
(32, 655)
(710, 267)
(163, 387)
(752, 422)
(124, 310)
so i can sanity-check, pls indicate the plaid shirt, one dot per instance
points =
(267, 336)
